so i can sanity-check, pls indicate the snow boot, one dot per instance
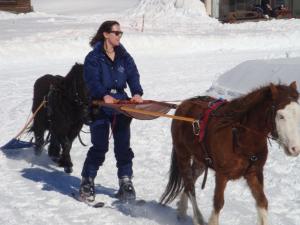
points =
(126, 191)
(87, 189)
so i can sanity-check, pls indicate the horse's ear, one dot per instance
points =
(274, 91)
(294, 85)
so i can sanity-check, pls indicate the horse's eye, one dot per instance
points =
(281, 117)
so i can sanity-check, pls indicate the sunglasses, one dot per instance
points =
(117, 33)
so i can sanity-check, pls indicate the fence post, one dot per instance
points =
(143, 23)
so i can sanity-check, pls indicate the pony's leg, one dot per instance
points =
(65, 159)
(54, 149)
(197, 218)
(221, 182)
(255, 182)
(182, 204)
(39, 140)
(189, 189)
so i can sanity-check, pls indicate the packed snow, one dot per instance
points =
(180, 53)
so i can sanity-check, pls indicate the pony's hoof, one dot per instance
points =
(68, 169)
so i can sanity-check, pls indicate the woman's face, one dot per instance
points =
(114, 36)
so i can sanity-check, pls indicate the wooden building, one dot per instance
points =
(222, 9)
(16, 6)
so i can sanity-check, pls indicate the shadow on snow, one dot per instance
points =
(54, 180)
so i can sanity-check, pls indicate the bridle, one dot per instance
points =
(77, 99)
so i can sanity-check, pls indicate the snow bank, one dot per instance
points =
(82, 7)
(255, 73)
(158, 8)
(170, 14)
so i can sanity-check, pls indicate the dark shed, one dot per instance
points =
(17, 6)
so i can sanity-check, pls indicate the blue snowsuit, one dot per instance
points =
(106, 77)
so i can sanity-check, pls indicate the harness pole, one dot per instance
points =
(31, 119)
(151, 113)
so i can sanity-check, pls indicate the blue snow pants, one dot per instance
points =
(100, 140)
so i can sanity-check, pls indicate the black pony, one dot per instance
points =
(63, 116)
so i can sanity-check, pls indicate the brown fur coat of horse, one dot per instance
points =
(235, 141)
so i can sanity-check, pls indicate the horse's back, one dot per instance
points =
(194, 108)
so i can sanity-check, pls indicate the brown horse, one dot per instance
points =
(234, 145)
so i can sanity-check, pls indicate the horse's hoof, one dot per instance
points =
(68, 169)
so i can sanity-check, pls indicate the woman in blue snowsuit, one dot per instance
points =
(108, 68)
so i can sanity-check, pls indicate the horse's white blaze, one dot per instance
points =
(287, 125)
(262, 216)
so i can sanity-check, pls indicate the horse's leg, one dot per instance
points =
(65, 159)
(54, 148)
(189, 189)
(255, 182)
(38, 131)
(221, 182)
(182, 204)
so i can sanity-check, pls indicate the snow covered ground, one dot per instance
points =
(180, 53)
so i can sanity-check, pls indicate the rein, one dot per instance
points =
(30, 119)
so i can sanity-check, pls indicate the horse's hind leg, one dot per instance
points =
(221, 182)
(182, 204)
(189, 190)
(39, 138)
(54, 149)
(65, 159)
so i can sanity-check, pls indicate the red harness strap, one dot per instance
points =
(203, 123)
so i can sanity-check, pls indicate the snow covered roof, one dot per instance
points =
(255, 73)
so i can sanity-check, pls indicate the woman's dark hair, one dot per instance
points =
(104, 27)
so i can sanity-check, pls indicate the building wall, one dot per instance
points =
(220, 8)
(208, 6)
(19, 6)
(296, 8)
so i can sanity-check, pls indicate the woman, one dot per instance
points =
(108, 68)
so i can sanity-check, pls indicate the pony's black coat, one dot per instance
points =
(63, 116)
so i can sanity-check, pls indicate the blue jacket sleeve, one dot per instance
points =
(92, 70)
(133, 79)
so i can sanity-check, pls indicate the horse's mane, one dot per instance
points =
(75, 70)
(248, 101)
(68, 86)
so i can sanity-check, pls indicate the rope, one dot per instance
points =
(151, 113)
(31, 119)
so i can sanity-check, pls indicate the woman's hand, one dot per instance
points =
(136, 99)
(109, 99)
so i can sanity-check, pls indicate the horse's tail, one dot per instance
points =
(175, 184)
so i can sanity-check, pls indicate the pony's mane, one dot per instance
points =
(246, 102)
(75, 70)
